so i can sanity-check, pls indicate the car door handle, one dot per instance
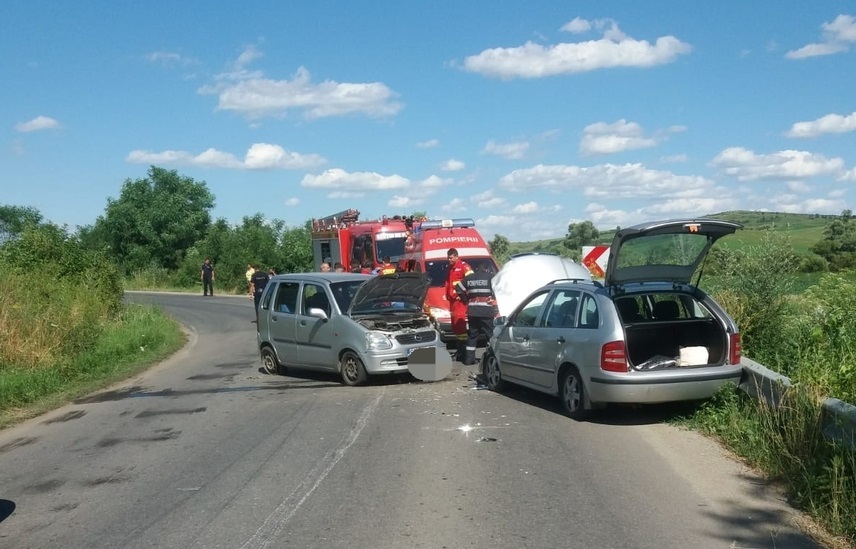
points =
(560, 340)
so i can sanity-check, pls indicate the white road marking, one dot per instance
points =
(276, 521)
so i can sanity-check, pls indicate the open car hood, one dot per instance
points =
(663, 251)
(404, 291)
(524, 273)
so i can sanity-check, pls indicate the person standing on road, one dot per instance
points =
(258, 282)
(456, 294)
(249, 274)
(481, 308)
(207, 276)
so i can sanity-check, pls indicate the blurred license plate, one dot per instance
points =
(420, 349)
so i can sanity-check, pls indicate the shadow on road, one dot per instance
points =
(6, 509)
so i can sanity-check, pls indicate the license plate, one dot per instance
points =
(410, 351)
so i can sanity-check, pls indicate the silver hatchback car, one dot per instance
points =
(354, 324)
(646, 335)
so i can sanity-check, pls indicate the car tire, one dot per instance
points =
(353, 370)
(270, 363)
(492, 375)
(572, 393)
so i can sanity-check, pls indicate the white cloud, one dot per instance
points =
(745, 165)
(603, 138)
(608, 181)
(831, 123)
(511, 151)
(430, 144)
(615, 49)
(36, 124)
(837, 37)
(790, 204)
(487, 199)
(798, 186)
(293, 201)
(337, 178)
(452, 165)
(345, 194)
(456, 205)
(168, 58)
(404, 202)
(433, 182)
(849, 175)
(497, 221)
(260, 156)
(254, 96)
(577, 26)
(527, 208)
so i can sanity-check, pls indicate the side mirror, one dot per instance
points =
(318, 313)
(499, 321)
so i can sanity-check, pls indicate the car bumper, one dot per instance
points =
(666, 386)
(393, 362)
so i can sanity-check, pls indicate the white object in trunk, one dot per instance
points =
(693, 356)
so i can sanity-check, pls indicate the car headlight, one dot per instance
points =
(378, 341)
(439, 313)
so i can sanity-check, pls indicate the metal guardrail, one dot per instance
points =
(839, 418)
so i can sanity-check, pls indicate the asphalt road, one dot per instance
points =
(205, 451)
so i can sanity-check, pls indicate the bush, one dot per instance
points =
(753, 285)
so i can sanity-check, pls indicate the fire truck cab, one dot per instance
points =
(359, 246)
(425, 250)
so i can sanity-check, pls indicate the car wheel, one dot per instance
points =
(573, 395)
(269, 362)
(492, 375)
(353, 371)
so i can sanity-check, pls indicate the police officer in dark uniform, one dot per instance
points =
(481, 308)
(207, 276)
(258, 282)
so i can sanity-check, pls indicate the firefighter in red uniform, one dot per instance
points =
(387, 267)
(456, 293)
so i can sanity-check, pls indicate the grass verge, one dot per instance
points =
(139, 337)
(786, 443)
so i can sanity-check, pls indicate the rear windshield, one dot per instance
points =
(438, 270)
(344, 292)
(662, 249)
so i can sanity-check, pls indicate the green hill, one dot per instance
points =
(804, 230)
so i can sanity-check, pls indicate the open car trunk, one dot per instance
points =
(682, 343)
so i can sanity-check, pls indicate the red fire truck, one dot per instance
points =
(425, 251)
(357, 245)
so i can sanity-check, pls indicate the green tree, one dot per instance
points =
(579, 235)
(14, 219)
(500, 249)
(296, 249)
(838, 246)
(156, 220)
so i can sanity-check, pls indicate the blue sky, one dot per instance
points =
(525, 116)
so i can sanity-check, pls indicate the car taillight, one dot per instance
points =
(735, 349)
(613, 357)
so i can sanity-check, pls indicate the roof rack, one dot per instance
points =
(577, 280)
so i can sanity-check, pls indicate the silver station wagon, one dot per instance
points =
(647, 334)
(354, 324)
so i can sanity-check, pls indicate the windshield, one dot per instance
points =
(385, 304)
(662, 249)
(438, 271)
(390, 244)
(344, 292)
